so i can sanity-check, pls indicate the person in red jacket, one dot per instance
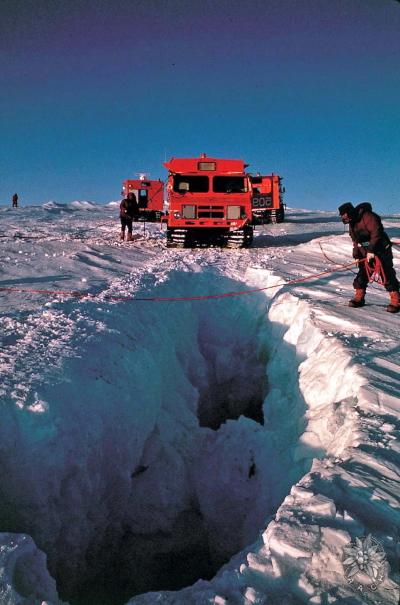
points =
(370, 240)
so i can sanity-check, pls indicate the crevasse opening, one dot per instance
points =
(157, 448)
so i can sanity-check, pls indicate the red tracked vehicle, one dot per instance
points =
(149, 194)
(209, 203)
(267, 199)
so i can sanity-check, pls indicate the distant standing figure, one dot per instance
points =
(128, 211)
(370, 240)
(15, 201)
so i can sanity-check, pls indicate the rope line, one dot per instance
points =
(82, 295)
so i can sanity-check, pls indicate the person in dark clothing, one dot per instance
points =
(370, 240)
(15, 201)
(128, 211)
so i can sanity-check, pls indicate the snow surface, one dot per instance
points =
(127, 464)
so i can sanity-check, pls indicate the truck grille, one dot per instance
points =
(210, 212)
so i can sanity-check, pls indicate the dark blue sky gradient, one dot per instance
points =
(93, 92)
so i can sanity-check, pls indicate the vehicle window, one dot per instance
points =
(197, 184)
(229, 184)
(142, 198)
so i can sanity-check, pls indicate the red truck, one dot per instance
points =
(209, 202)
(267, 199)
(149, 195)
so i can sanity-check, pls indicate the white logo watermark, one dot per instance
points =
(364, 563)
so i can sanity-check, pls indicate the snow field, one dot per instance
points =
(102, 458)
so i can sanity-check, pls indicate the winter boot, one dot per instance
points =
(122, 235)
(359, 298)
(394, 306)
(129, 237)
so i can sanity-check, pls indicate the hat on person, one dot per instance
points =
(346, 208)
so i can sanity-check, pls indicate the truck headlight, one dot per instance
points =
(233, 212)
(189, 211)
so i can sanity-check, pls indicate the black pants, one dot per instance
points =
(392, 285)
(126, 222)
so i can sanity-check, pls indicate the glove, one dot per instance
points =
(370, 258)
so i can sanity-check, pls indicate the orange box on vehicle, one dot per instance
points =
(149, 195)
(267, 198)
(209, 202)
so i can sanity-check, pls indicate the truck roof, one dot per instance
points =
(205, 164)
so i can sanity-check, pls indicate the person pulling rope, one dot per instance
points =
(372, 245)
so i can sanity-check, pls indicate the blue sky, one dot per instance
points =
(93, 92)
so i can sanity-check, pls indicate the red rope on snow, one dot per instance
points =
(76, 294)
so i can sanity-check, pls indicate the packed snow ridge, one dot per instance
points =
(226, 449)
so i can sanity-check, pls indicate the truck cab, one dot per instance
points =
(209, 202)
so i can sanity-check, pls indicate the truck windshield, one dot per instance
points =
(229, 184)
(197, 184)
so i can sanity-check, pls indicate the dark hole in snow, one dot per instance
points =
(154, 463)
(237, 384)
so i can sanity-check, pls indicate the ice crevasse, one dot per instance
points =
(142, 459)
